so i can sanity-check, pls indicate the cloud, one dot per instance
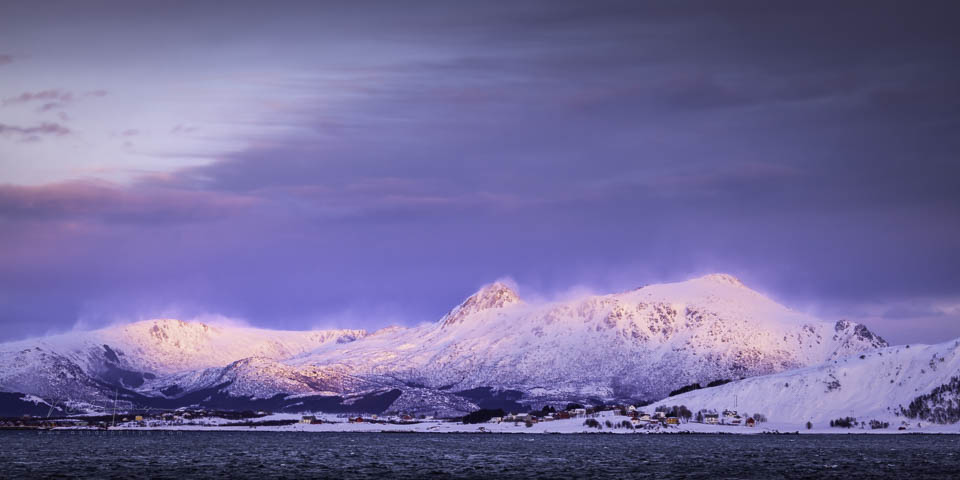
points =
(34, 132)
(53, 99)
(81, 202)
(183, 129)
(43, 95)
(6, 59)
(46, 107)
(806, 149)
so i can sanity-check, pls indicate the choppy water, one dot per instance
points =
(265, 455)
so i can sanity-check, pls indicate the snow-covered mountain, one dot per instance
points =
(906, 383)
(86, 366)
(637, 344)
(493, 347)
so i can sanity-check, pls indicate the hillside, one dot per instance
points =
(492, 349)
(638, 344)
(877, 385)
(86, 367)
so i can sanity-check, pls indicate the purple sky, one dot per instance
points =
(301, 165)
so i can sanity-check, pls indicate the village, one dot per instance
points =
(620, 416)
(591, 418)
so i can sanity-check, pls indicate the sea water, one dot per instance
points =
(263, 455)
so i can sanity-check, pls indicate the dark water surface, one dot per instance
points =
(262, 455)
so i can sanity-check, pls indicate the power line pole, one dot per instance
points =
(116, 396)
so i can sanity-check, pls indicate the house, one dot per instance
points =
(356, 420)
(516, 417)
(579, 412)
(308, 419)
(631, 409)
(659, 415)
(561, 415)
(711, 418)
(751, 422)
(736, 420)
(728, 416)
(636, 421)
(644, 416)
(673, 421)
(66, 422)
(496, 419)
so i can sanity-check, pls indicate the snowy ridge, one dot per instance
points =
(165, 346)
(875, 385)
(639, 344)
(88, 365)
(495, 295)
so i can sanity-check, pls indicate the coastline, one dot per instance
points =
(567, 426)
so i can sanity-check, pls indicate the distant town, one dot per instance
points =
(575, 418)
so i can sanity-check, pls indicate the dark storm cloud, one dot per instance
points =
(808, 148)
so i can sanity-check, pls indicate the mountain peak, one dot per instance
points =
(163, 329)
(494, 295)
(723, 278)
(860, 333)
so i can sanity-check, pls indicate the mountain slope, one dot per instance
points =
(90, 365)
(638, 344)
(633, 345)
(878, 385)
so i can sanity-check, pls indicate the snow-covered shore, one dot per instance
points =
(566, 426)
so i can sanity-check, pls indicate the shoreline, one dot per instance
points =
(609, 423)
(122, 430)
(510, 429)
